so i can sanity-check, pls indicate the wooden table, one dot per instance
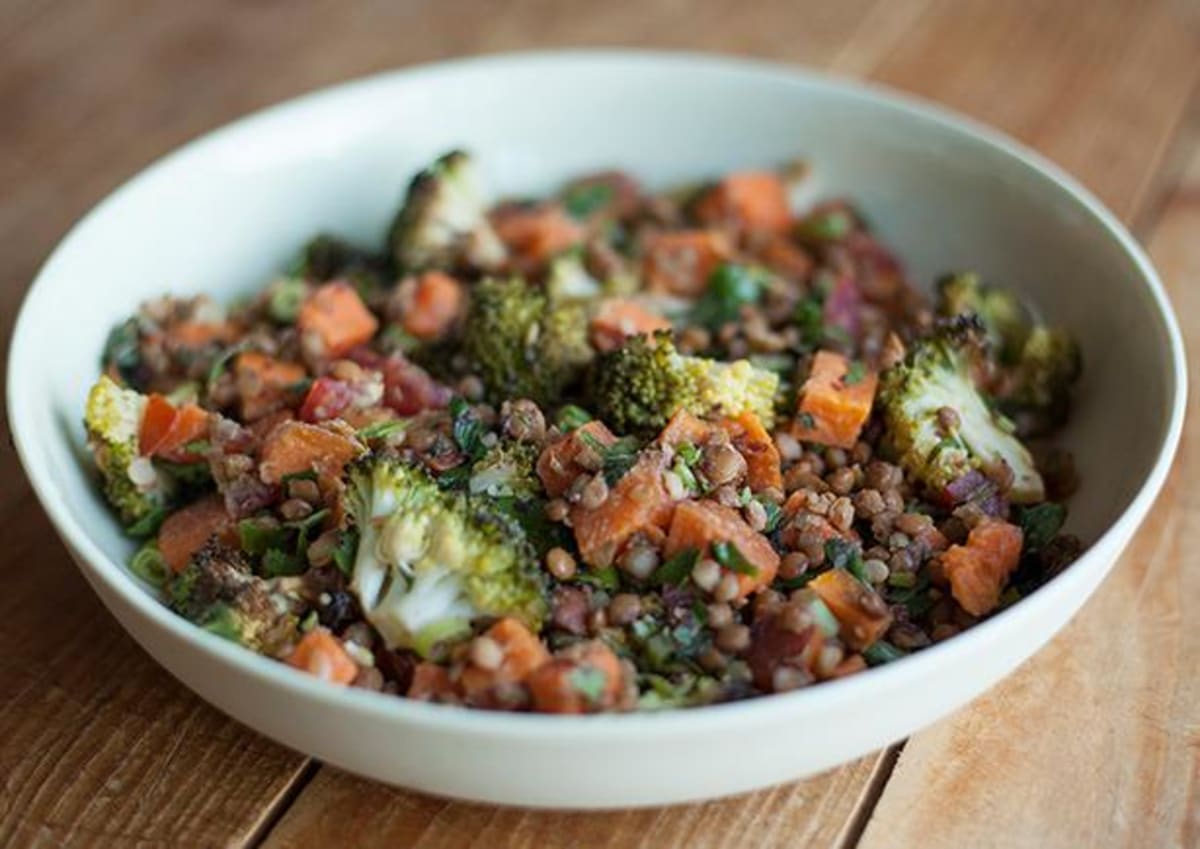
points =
(1094, 742)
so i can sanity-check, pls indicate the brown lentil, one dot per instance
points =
(294, 509)
(793, 565)
(841, 514)
(523, 420)
(789, 448)
(841, 480)
(624, 609)
(557, 509)
(733, 638)
(727, 588)
(706, 574)
(756, 515)
(560, 563)
(639, 560)
(719, 615)
(594, 493)
(786, 678)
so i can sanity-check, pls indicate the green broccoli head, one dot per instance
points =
(429, 562)
(938, 447)
(132, 485)
(507, 470)
(639, 386)
(1038, 389)
(443, 223)
(1004, 318)
(219, 592)
(522, 344)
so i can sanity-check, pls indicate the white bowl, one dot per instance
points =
(225, 212)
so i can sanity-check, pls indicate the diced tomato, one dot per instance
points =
(407, 388)
(167, 431)
(327, 399)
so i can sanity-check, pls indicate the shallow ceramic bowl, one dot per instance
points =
(227, 211)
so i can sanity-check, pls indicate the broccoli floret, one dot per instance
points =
(938, 447)
(429, 562)
(219, 592)
(523, 345)
(1038, 389)
(444, 219)
(507, 470)
(132, 484)
(639, 386)
(1005, 319)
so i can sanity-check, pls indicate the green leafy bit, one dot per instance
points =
(589, 682)
(343, 554)
(284, 299)
(467, 430)
(382, 429)
(148, 525)
(277, 563)
(675, 569)
(606, 578)
(730, 288)
(729, 556)
(881, 652)
(854, 373)
(844, 554)
(616, 459)
(586, 198)
(571, 416)
(1040, 523)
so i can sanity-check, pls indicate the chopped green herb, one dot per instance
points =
(382, 430)
(616, 459)
(571, 417)
(258, 534)
(855, 373)
(881, 652)
(276, 564)
(730, 287)
(689, 452)
(286, 298)
(675, 569)
(148, 525)
(806, 421)
(844, 554)
(305, 475)
(467, 430)
(589, 682)
(774, 515)
(347, 548)
(831, 225)
(122, 351)
(728, 555)
(606, 578)
(1041, 523)
(584, 199)
(221, 363)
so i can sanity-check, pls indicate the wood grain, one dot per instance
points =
(99, 747)
(1096, 741)
(339, 808)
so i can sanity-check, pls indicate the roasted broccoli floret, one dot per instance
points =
(939, 426)
(507, 470)
(1004, 318)
(521, 343)
(639, 386)
(219, 592)
(1037, 390)
(429, 562)
(444, 220)
(132, 485)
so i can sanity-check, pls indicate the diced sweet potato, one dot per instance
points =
(748, 200)
(616, 319)
(534, 234)
(185, 531)
(432, 303)
(295, 447)
(978, 570)
(557, 466)
(750, 438)
(522, 652)
(862, 614)
(430, 682)
(836, 401)
(336, 315)
(685, 427)
(699, 524)
(265, 384)
(786, 258)
(586, 680)
(680, 262)
(320, 653)
(638, 502)
(192, 335)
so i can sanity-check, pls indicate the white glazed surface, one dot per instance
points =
(226, 212)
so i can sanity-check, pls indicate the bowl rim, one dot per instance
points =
(830, 695)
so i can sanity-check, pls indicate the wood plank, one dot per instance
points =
(1095, 741)
(339, 808)
(98, 745)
